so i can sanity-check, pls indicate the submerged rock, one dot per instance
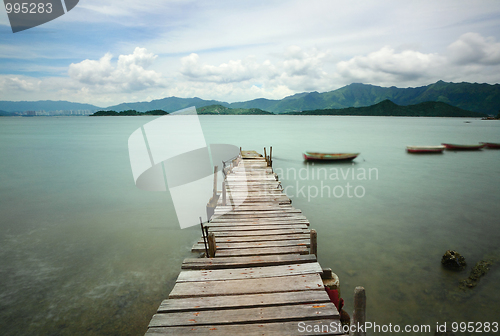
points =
(453, 260)
(481, 268)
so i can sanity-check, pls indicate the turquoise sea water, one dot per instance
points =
(83, 251)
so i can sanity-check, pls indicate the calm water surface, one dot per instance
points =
(83, 251)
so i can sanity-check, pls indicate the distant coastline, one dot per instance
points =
(385, 108)
(475, 97)
(127, 113)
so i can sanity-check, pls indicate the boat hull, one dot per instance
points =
(491, 145)
(425, 149)
(462, 147)
(335, 157)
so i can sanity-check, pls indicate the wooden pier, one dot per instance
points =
(262, 278)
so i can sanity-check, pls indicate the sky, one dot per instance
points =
(105, 52)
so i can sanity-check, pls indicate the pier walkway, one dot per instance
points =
(262, 280)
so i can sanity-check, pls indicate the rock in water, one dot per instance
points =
(453, 260)
(482, 267)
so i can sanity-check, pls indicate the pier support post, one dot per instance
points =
(270, 163)
(215, 182)
(211, 245)
(265, 155)
(314, 243)
(359, 313)
(330, 279)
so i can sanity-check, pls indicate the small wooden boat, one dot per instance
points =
(462, 147)
(425, 149)
(313, 156)
(491, 145)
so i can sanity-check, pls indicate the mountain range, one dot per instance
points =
(388, 108)
(482, 98)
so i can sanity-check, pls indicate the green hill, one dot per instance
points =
(169, 104)
(388, 108)
(222, 110)
(482, 98)
(127, 113)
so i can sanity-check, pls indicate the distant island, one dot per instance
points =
(127, 113)
(222, 110)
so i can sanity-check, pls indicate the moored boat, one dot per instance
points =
(491, 145)
(314, 156)
(425, 149)
(463, 147)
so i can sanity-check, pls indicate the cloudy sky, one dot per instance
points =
(106, 52)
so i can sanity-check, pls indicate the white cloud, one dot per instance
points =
(472, 48)
(294, 68)
(232, 71)
(19, 83)
(128, 75)
(386, 67)
(136, 77)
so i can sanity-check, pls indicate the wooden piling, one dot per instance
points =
(270, 163)
(215, 182)
(314, 243)
(212, 247)
(359, 313)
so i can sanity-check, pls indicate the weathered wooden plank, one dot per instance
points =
(274, 243)
(262, 251)
(241, 262)
(254, 200)
(255, 238)
(241, 222)
(261, 192)
(264, 212)
(236, 216)
(222, 234)
(261, 202)
(316, 327)
(251, 177)
(256, 207)
(242, 301)
(302, 312)
(249, 272)
(278, 224)
(237, 213)
(225, 218)
(227, 228)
